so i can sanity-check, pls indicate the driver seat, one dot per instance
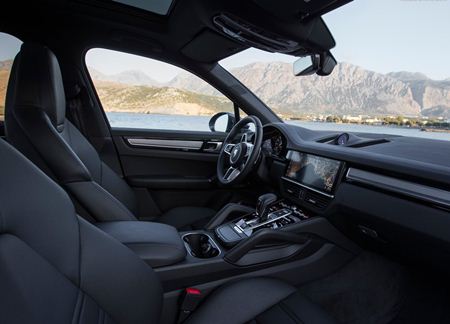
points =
(57, 268)
(36, 124)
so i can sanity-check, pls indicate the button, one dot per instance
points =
(368, 231)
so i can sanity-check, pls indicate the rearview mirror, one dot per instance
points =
(320, 64)
(327, 64)
(307, 65)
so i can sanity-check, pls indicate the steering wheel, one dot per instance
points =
(238, 156)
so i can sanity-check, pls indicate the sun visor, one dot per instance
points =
(293, 38)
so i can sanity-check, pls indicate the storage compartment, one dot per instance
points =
(201, 245)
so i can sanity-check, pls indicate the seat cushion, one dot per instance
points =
(187, 218)
(258, 300)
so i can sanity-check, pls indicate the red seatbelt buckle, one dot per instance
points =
(191, 298)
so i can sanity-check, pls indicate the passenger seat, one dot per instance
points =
(36, 124)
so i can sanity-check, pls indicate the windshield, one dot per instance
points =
(393, 76)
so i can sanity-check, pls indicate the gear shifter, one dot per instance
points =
(263, 204)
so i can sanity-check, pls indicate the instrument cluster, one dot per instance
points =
(275, 144)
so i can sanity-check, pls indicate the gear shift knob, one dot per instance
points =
(263, 204)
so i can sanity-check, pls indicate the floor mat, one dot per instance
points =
(368, 290)
(427, 300)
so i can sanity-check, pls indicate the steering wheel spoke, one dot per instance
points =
(244, 138)
(250, 148)
(231, 173)
(228, 148)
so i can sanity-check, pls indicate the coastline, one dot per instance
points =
(435, 130)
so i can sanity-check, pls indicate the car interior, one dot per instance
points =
(104, 224)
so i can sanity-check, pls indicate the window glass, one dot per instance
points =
(138, 92)
(392, 78)
(9, 47)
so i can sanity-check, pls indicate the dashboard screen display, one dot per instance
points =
(313, 171)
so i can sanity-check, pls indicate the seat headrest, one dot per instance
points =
(36, 83)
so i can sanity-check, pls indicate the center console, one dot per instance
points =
(275, 216)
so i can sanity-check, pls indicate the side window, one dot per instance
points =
(138, 92)
(9, 47)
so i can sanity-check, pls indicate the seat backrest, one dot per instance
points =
(36, 125)
(57, 268)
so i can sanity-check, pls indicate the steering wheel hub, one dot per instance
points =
(238, 154)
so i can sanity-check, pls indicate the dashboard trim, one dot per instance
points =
(414, 190)
(307, 187)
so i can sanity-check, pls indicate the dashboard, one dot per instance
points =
(387, 191)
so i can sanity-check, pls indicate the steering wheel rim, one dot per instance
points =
(240, 157)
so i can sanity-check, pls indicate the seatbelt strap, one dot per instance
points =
(75, 104)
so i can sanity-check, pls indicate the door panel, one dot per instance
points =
(169, 169)
(145, 154)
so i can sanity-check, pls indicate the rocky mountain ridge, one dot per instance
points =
(350, 90)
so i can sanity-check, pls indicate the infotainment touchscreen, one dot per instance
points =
(313, 171)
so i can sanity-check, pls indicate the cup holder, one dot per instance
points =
(201, 245)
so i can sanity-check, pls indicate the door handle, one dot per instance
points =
(212, 147)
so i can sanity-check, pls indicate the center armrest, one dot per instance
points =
(157, 244)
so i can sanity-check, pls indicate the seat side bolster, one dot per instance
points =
(99, 202)
(51, 147)
(104, 263)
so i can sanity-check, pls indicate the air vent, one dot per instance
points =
(291, 189)
(253, 36)
(317, 200)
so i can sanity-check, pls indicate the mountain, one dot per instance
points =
(190, 82)
(407, 76)
(432, 96)
(158, 100)
(349, 90)
(131, 77)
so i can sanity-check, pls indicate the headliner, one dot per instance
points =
(186, 33)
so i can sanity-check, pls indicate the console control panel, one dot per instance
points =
(279, 215)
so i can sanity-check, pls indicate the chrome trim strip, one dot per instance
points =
(269, 221)
(307, 187)
(166, 143)
(407, 188)
(188, 247)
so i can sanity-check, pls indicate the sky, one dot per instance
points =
(379, 35)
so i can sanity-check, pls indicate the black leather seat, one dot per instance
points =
(55, 267)
(36, 124)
